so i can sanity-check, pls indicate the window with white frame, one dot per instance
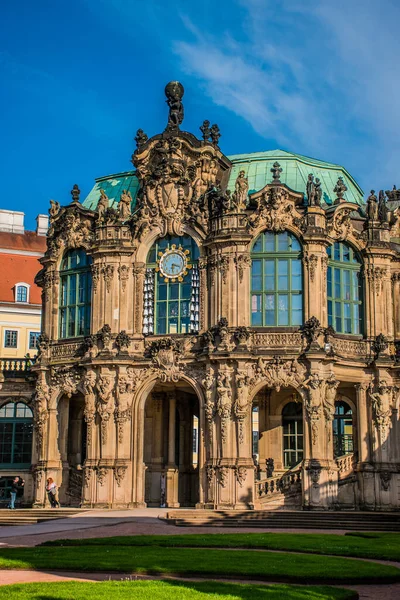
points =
(33, 339)
(10, 338)
(21, 292)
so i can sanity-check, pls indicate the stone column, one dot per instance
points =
(172, 471)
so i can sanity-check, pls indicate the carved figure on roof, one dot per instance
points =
(102, 205)
(382, 208)
(372, 207)
(124, 205)
(241, 189)
(310, 189)
(318, 192)
(339, 189)
(75, 193)
(205, 130)
(276, 172)
(174, 91)
(140, 138)
(54, 209)
(215, 134)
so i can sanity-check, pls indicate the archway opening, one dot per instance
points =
(72, 447)
(171, 446)
(277, 431)
(343, 442)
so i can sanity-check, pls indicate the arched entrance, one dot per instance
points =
(277, 430)
(170, 451)
(72, 447)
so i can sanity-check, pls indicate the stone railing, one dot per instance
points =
(345, 465)
(63, 350)
(277, 340)
(357, 348)
(289, 482)
(14, 367)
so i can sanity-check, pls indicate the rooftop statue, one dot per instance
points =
(339, 189)
(314, 191)
(174, 92)
(372, 207)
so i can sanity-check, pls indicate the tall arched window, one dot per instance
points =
(344, 289)
(75, 294)
(276, 281)
(172, 287)
(342, 429)
(292, 424)
(16, 427)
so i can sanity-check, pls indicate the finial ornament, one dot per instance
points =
(75, 193)
(205, 130)
(174, 91)
(339, 189)
(140, 138)
(215, 134)
(276, 172)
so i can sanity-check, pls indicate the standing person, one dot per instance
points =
(52, 493)
(20, 489)
(13, 493)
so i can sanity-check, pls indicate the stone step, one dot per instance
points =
(30, 516)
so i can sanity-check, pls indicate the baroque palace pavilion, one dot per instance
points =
(220, 332)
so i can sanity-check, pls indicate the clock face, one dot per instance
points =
(173, 264)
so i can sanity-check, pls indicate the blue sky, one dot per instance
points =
(78, 77)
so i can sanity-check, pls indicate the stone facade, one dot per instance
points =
(114, 411)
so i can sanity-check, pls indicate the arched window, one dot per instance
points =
(75, 294)
(16, 427)
(342, 429)
(276, 281)
(344, 289)
(172, 287)
(292, 424)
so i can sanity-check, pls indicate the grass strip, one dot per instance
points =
(268, 566)
(169, 590)
(385, 546)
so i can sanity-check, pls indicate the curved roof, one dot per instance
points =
(295, 171)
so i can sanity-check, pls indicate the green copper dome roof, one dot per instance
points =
(295, 171)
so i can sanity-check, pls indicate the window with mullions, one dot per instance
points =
(172, 287)
(75, 294)
(342, 429)
(344, 289)
(22, 293)
(292, 423)
(16, 427)
(276, 281)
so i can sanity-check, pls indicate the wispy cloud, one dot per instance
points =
(319, 77)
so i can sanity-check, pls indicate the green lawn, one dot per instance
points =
(383, 546)
(268, 566)
(171, 590)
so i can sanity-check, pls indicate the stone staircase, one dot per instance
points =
(285, 519)
(281, 491)
(31, 516)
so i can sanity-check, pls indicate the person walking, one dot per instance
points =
(52, 493)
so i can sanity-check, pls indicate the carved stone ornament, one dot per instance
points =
(224, 403)
(278, 373)
(385, 477)
(313, 390)
(242, 403)
(240, 474)
(89, 413)
(87, 474)
(72, 227)
(274, 209)
(42, 394)
(242, 262)
(381, 396)
(379, 345)
(119, 474)
(223, 476)
(311, 261)
(95, 269)
(66, 379)
(104, 338)
(105, 404)
(339, 189)
(108, 274)
(174, 92)
(101, 475)
(166, 355)
(241, 191)
(310, 332)
(242, 335)
(209, 384)
(140, 138)
(218, 336)
(315, 473)
(314, 191)
(210, 474)
(122, 341)
(340, 227)
(376, 277)
(123, 274)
